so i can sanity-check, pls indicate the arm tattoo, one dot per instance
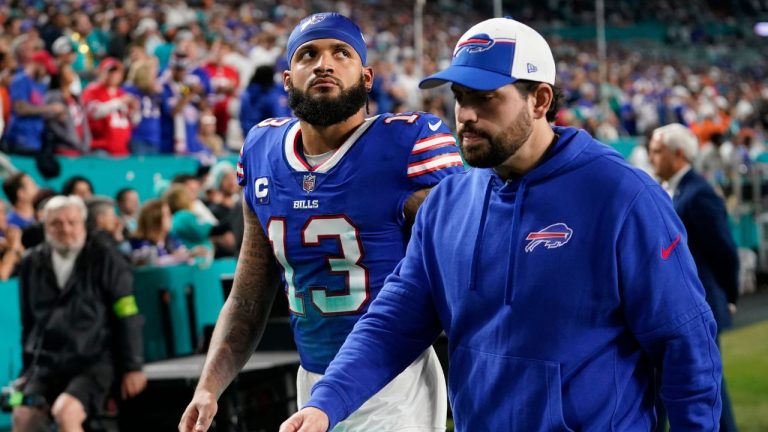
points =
(238, 338)
(243, 305)
(412, 205)
(245, 312)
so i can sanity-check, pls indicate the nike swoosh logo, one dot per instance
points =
(665, 252)
(433, 127)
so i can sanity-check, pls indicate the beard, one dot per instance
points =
(501, 146)
(63, 249)
(325, 110)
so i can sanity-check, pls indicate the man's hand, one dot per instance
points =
(307, 420)
(128, 99)
(56, 109)
(133, 383)
(199, 413)
(117, 231)
(13, 238)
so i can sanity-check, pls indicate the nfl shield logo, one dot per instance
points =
(309, 183)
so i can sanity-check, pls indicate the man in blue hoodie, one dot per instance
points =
(562, 276)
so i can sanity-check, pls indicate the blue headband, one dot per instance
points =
(327, 25)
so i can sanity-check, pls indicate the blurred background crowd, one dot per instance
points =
(122, 78)
(191, 77)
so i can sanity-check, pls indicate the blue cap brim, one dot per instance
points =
(467, 76)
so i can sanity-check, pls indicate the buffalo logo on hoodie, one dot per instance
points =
(551, 237)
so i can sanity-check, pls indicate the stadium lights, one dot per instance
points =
(761, 29)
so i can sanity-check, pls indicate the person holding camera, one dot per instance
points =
(184, 99)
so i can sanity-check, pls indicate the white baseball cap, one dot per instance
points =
(494, 53)
(62, 45)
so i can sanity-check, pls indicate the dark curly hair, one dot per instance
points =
(526, 87)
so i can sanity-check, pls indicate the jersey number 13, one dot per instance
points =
(339, 227)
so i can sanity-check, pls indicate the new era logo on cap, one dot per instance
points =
(497, 52)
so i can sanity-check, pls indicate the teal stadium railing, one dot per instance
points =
(109, 175)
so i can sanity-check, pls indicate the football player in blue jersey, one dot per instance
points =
(328, 203)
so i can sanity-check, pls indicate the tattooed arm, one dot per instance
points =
(412, 205)
(240, 324)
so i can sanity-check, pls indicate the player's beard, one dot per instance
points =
(324, 110)
(501, 146)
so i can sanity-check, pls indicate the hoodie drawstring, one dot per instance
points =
(511, 264)
(479, 238)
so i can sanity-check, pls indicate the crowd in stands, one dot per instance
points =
(140, 77)
(116, 78)
(175, 228)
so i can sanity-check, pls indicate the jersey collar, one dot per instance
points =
(293, 152)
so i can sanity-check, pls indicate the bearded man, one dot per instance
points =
(81, 327)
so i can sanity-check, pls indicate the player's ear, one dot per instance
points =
(543, 97)
(368, 78)
(286, 80)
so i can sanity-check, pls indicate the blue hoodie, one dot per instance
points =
(562, 293)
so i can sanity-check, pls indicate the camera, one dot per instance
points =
(10, 398)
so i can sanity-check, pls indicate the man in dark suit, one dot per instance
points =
(671, 150)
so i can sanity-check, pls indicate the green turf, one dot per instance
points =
(745, 357)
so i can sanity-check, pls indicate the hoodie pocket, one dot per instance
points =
(491, 392)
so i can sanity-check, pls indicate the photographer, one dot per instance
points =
(184, 98)
(80, 324)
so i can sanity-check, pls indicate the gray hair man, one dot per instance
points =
(672, 149)
(77, 305)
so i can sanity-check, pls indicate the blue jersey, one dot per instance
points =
(25, 132)
(338, 229)
(148, 130)
(257, 104)
(168, 132)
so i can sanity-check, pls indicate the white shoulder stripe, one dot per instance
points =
(434, 164)
(288, 145)
(433, 142)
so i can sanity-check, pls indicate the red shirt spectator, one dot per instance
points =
(224, 81)
(5, 99)
(109, 109)
(224, 78)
